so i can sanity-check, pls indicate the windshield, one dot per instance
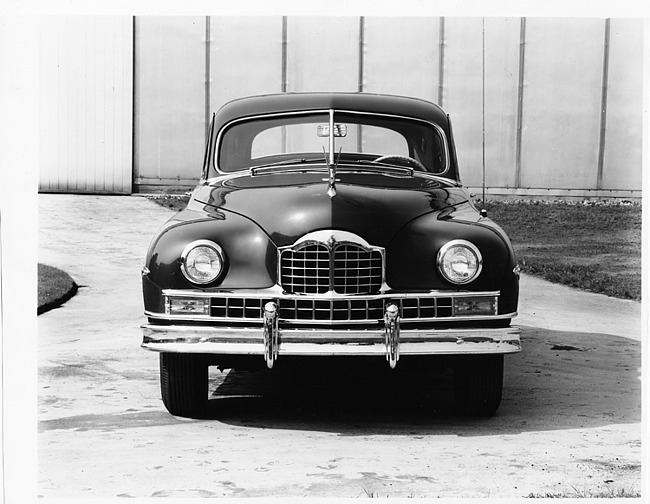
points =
(305, 138)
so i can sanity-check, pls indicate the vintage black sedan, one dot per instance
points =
(330, 225)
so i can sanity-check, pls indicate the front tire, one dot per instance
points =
(184, 383)
(478, 384)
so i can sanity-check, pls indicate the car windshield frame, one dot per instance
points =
(403, 126)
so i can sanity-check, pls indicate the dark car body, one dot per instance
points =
(302, 243)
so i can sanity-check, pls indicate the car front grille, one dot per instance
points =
(344, 268)
(307, 270)
(331, 310)
(295, 310)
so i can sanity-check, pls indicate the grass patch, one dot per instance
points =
(55, 287)
(610, 493)
(593, 246)
(176, 202)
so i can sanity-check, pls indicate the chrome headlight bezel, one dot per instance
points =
(444, 257)
(217, 262)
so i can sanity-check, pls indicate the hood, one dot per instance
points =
(286, 206)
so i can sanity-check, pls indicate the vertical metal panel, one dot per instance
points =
(246, 57)
(462, 93)
(624, 133)
(185, 67)
(86, 81)
(561, 110)
(401, 56)
(501, 86)
(322, 54)
(169, 100)
(463, 96)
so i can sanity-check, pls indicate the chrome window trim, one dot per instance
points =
(217, 143)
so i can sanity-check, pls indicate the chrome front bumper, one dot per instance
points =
(270, 341)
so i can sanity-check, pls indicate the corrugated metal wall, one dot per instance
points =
(624, 121)
(169, 100)
(462, 96)
(86, 105)
(544, 83)
(245, 58)
(561, 103)
(401, 56)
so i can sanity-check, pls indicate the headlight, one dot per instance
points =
(202, 261)
(459, 261)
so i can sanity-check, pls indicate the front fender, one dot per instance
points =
(251, 257)
(412, 253)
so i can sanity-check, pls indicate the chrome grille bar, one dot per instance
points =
(326, 310)
(356, 270)
(329, 309)
(313, 267)
(306, 270)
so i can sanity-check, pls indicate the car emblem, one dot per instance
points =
(331, 241)
(331, 181)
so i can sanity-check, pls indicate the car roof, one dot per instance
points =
(360, 102)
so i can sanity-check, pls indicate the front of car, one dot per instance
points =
(330, 225)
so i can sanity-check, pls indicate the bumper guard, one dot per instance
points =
(270, 340)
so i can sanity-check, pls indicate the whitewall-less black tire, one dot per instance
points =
(478, 384)
(184, 383)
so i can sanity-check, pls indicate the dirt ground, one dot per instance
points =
(570, 421)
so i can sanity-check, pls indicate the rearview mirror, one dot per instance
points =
(340, 130)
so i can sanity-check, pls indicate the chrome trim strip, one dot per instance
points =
(296, 322)
(324, 235)
(276, 292)
(248, 341)
(332, 154)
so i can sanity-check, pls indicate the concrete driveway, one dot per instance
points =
(570, 421)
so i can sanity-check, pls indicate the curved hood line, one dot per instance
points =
(289, 205)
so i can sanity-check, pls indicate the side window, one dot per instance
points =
(439, 158)
(428, 148)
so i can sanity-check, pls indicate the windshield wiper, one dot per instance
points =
(255, 170)
(383, 166)
(399, 170)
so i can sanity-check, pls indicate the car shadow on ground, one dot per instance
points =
(561, 380)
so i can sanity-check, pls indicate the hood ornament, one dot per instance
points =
(331, 179)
